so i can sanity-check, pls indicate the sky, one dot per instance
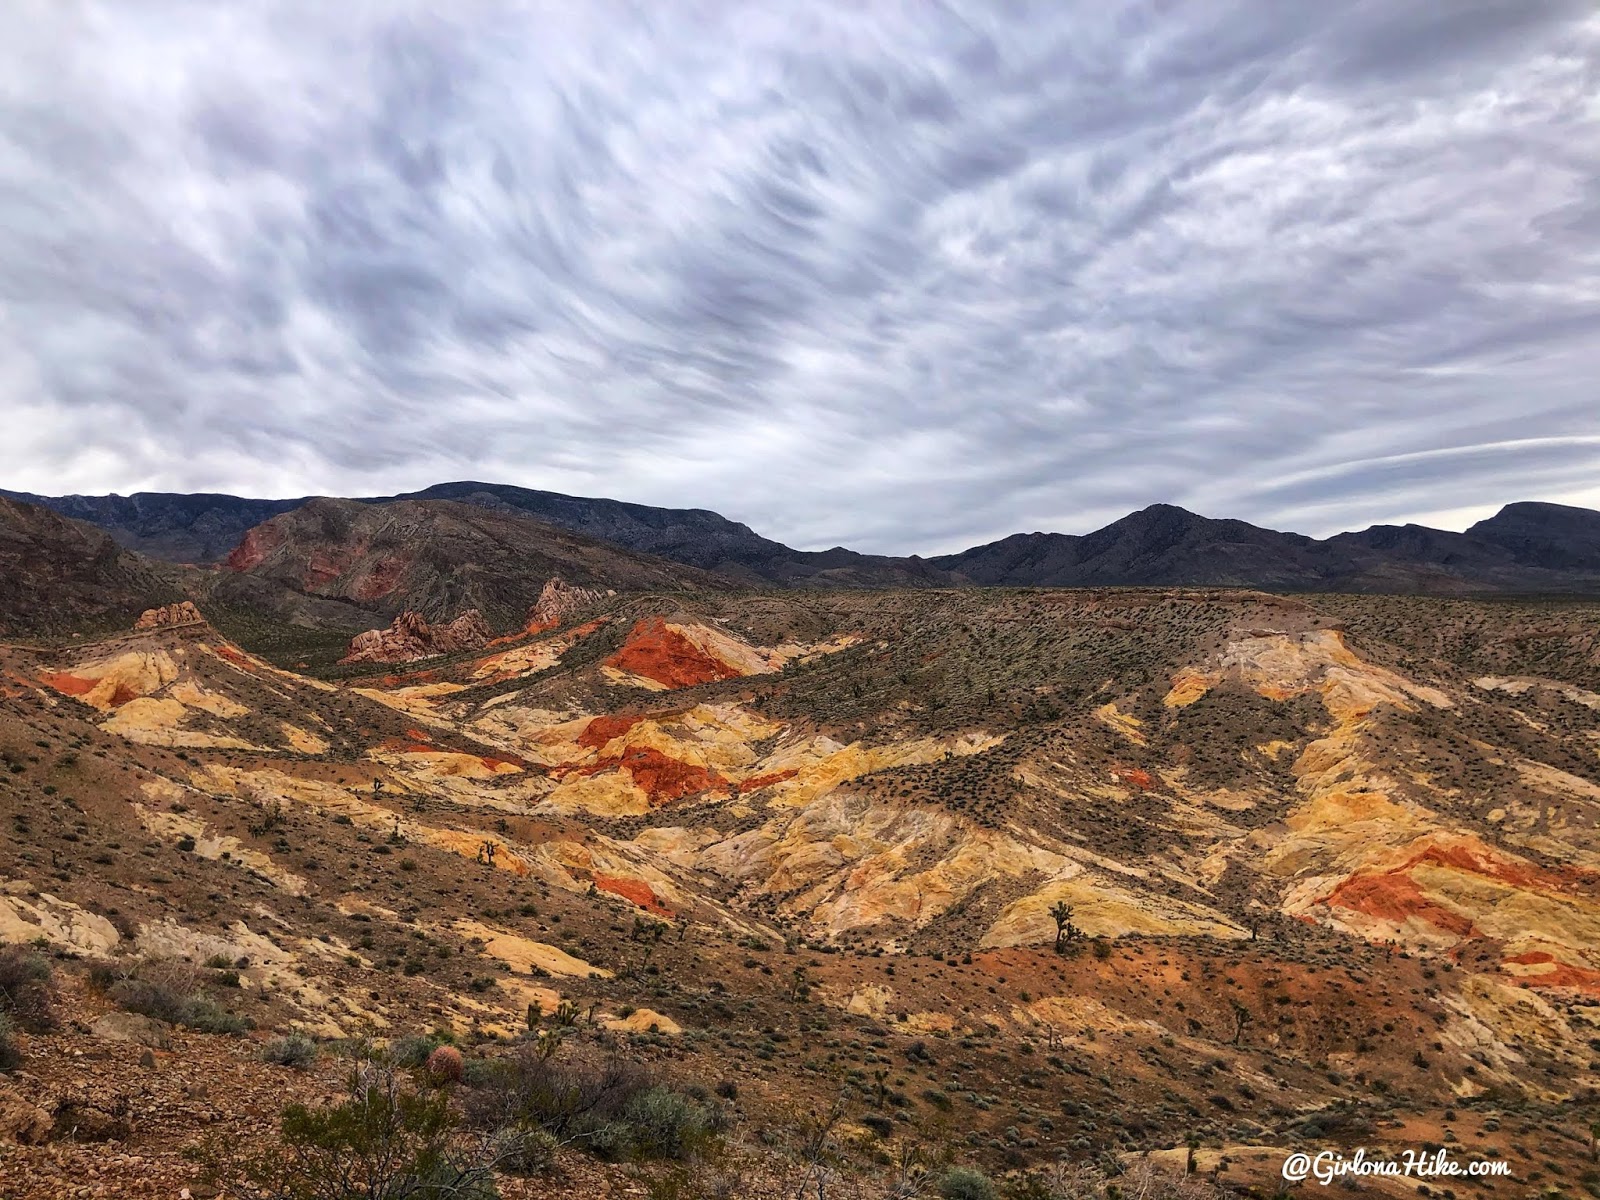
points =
(906, 277)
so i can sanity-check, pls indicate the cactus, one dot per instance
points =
(444, 1065)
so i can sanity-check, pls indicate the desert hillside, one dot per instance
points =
(844, 883)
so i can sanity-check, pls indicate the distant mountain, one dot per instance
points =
(1526, 547)
(435, 557)
(1161, 544)
(57, 574)
(1548, 536)
(198, 528)
(204, 528)
(698, 537)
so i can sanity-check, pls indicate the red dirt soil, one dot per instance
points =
(602, 729)
(666, 779)
(1561, 975)
(1396, 897)
(76, 685)
(66, 684)
(382, 580)
(667, 657)
(635, 891)
(1482, 861)
(662, 779)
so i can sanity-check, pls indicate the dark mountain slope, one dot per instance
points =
(199, 528)
(205, 529)
(1161, 544)
(436, 557)
(57, 574)
(1548, 536)
(1526, 547)
(695, 536)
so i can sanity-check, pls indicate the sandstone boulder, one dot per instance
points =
(182, 613)
(131, 1027)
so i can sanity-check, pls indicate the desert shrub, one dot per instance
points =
(966, 1183)
(878, 1124)
(665, 1124)
(611, 1108)
(413, 1049)
(27, 989)
(172, 995)
(1086, 1181)
(295, 1050)
(523, 1151)
(1030, 1187)
(385, 1142)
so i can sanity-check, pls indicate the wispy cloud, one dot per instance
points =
(901, 276)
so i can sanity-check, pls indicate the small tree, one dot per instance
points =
(1066, 931)
(819, 1150)
(1241, 1018)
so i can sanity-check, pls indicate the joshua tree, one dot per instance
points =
(799, 985)
(1066, 931)
(1241, 1018)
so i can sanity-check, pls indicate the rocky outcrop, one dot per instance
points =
(558, 601)
(410, 637)
(182, 613)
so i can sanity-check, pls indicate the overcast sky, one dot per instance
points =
(902, 276)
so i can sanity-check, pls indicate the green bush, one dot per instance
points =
(878, 1124)
(27, 989)
(612, 1108)
(385, 1142)
(413, 1049)
(665, 1124)
(966, 1183)
(523, 1151)
(165, 1002)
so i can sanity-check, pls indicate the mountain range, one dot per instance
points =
(1526, 547)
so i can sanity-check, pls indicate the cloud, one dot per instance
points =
(904, 277)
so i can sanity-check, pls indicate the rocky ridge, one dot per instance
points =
(410, 637)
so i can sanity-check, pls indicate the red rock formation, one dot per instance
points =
(657, 652)
(1396, 897)
(635, 891)
(410, 637)
(602, 729)
(253, 548)
(182, 613)
(557, 601)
